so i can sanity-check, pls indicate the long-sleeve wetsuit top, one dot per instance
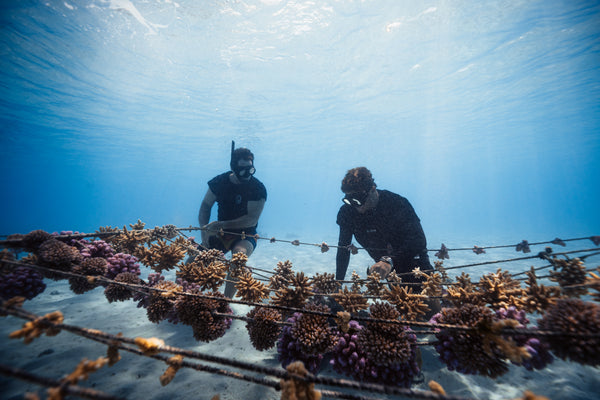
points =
(392, 229)
(232, 199)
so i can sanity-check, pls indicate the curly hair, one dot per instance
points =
(357, 179)
(241, 153)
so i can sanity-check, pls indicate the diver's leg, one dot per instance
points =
(242, 246)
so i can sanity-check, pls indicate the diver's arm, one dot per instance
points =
(204, 214)
(342, 258)
(255, 208)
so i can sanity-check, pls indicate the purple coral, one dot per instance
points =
(122, 262)
(22, 281)
(350, 359)
(465, 351)
(539, 350)
(96, 248)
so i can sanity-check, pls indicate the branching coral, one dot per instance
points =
(308, 337)
(130, 242)
(295, 389)
(500, 290)
(34, 239)
(325, 283)
(570, 274)
(59, 256)
(89, 268)
(237, 266)
(465, 351)
(96, 248)
(283, 275)
(356, 282)
(116, 292)
(579, 324)
(411, 306)
(296, 295)
(120, 263)
(538, 297)
(263, 328)
(374, 285)
(432, 285)
(161, 256)
(312, 331)
(22, 281)
(350, 359)
(350, 301)
(249, 289)
(202, 314)
(209, 276)
(160, 304)
(386, 344)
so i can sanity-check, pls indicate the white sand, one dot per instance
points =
(138, 377)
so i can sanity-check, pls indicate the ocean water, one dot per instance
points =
(485, 115)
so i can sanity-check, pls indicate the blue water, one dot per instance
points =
(485, 115)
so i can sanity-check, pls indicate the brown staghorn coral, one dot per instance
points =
(500, 290)
(263, 327)
(249, 289)
(374, 285)
(538, 298)
(385, 343)
(296, 295)
(411, 306)
(570, 274)
(294, 389)
(312, 331)
(579, 321)
(201, 314)
(58, 256)
(160, 304)
(356, 282)
(130, 242)
(116, 292)
(325, 283)
(237, 265)
(593, 282)
(432, 285)
(283, 275)
(350, 301)
(209, 276)
(205, 257)
(161, 256)
(90, 268)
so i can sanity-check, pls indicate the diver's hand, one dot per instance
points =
(382, 268)
(211, 229)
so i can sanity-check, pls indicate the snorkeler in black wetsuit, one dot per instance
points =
(382, 222)
(240, 198)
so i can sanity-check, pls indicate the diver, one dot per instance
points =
(385, 224)
(241, 199)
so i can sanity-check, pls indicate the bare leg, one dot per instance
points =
(242, 246)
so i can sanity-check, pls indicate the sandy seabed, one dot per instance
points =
(137, 377)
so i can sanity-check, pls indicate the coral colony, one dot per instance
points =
(364, 329)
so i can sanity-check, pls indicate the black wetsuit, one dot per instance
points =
(232, 200)
(391, 229)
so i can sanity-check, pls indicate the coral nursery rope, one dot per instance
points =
(48, 382)
(109, 339)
